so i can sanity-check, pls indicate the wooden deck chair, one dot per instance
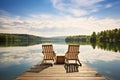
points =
(48, 53)
(72, 54)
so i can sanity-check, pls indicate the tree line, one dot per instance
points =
(111, 36)
(4, 37)
(77, 39)
(106, 36)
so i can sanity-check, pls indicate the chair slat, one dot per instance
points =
(72, 53)
(48, 52)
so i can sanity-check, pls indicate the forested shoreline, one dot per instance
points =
(4, 37)
(107, 40)
(106, 36)
(103, 36)
(78, 39)
(7, 39)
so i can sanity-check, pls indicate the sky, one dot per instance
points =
(50, 18)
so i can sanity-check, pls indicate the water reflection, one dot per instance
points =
(7, 44)
(93, 45)
(17, 55)
(102, 45)
(109, 46)
(108, 69)
(22, 43)
(88, 55)
(28, 55)
(105, 62)
(17, 59)
(106, 46)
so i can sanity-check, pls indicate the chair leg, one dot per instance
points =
(66, 61)
(79, 62)
(42, 61)
(54, 60)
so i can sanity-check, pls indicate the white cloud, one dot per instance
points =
(51, 25)
(19, 55)
(93, 56)
(77, 12)
(108, 6)
(77, 7)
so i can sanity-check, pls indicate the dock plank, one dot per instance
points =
(61, 72)
(61, 78)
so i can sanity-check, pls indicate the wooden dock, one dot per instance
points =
(61, 72)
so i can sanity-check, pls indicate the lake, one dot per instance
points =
(14, 60)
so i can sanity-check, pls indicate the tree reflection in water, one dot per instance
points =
(107, 46)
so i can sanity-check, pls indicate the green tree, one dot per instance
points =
(93, 37)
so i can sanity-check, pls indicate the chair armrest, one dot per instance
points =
(54, 53)
(43, 52)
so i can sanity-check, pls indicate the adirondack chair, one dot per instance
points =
(72, 54)
(48, 53)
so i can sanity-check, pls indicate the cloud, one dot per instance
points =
(77, 7)
(18, 55)
(93, 56)
(52, 25)
(108, 6)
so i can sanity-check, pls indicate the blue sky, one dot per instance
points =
(58, 17)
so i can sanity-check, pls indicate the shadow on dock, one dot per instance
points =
(71, 68)
(39, 67)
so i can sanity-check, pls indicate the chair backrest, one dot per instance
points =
(73, 51)
(48, 52)
(47, 48)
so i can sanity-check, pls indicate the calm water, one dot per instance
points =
(16, 60)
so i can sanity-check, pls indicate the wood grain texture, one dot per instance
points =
(59, 72)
